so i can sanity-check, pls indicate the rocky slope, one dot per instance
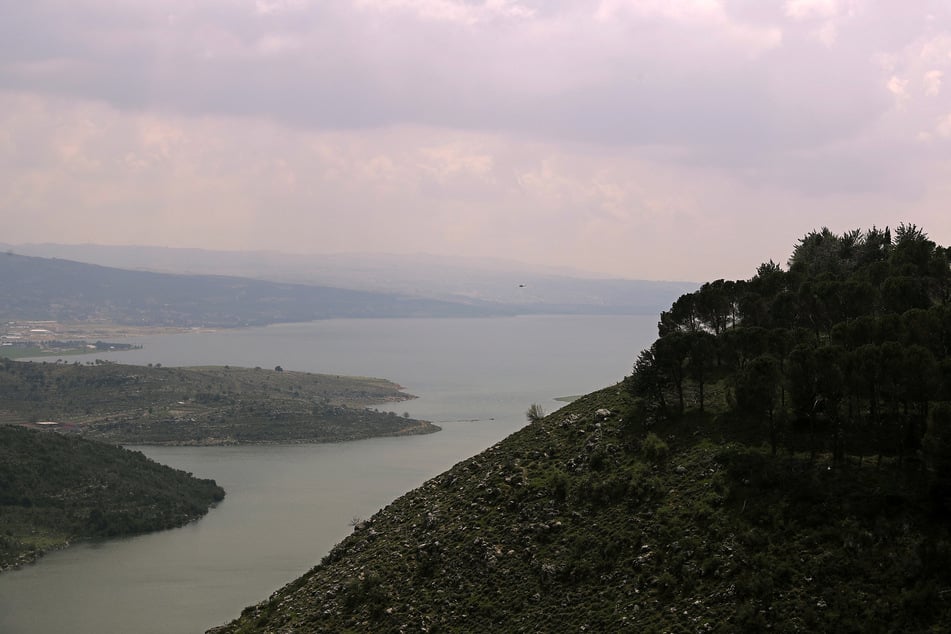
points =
(593, 519)
(785, 466)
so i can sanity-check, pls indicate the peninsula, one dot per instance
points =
(129, 405)
(56, 489)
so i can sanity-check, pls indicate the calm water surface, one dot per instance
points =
(286, 506)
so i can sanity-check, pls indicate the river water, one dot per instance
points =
(286, 506)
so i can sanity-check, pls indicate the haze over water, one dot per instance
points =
(286, 506)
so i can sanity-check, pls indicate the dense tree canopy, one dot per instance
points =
(846, 350)
(55, 488)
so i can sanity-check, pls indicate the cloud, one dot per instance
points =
(932, 82)
(943, 127)
(555, 72)
(450, 11)
(277, 7)
(899, 88)
(824, 16)
(599, 129)
(811, 9)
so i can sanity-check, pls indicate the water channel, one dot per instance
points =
(286, 506)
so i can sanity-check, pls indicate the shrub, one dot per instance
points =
(534, 413)
(654, 448)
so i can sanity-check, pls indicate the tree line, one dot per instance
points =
(847, 350)
(55, 488)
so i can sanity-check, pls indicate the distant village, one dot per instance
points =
(50, 337)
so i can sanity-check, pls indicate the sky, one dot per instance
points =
(652, 139)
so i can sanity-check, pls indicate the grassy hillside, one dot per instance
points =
(203, 405)
(55, 489)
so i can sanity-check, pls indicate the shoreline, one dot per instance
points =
(26, 339)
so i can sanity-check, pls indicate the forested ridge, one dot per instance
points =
(847, 351)
(55, 489)
(777, 461)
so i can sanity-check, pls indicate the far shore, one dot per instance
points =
(31, 338)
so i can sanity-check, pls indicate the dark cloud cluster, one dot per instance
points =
(677, 73)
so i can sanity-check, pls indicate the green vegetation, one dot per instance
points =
(847, 352)
(203, 405)
(780, 459)
(22, 352)
(534, 413)
(55, 489)
(59, 348)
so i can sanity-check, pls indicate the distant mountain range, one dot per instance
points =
(195, 287)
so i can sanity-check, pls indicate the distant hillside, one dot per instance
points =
(56, 489)
(33, 288)
(779, 460)
(486, 283)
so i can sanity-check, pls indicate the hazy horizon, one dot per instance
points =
(673, 140)
(378, 258)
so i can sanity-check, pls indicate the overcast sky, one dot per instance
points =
(655, 139)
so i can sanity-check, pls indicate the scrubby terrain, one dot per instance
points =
(588, 522)
(55, 489)
(199, 406)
